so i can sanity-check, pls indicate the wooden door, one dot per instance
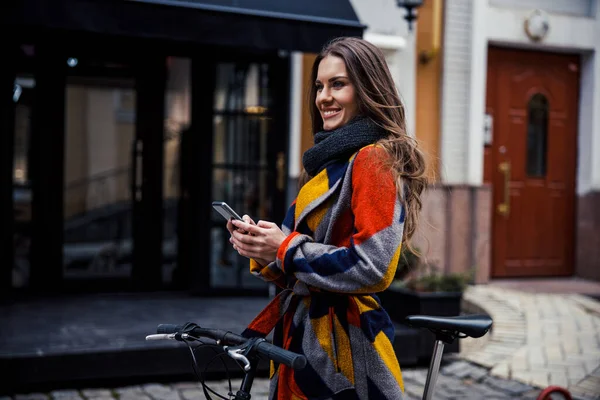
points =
(532, 98)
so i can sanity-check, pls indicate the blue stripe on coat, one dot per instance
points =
(330, 263)
(374, 321)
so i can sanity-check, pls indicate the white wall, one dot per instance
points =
(588, 174)
(470, 26)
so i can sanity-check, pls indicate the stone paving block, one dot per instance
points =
(419, 379)
(135, 396)
(186, 385)
(96, 393)
(454, 367)
(571, 347)
(129, 390)
(513, 388)
(192, 394)
(478, 373)
(500, 371)
(558, 379)
(70, 394)
(590, 386)
(414, 390)
(32, 396)
(161, 392)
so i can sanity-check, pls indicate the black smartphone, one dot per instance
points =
(226, 211)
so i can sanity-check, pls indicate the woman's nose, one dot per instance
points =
(324, 96)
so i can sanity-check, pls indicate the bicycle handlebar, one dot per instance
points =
(269, 350)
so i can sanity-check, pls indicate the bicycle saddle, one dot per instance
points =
(474, 326)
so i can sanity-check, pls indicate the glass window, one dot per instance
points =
(537, 135)
(99, 132)
(177, 122)
(241, 126)
(23, 93)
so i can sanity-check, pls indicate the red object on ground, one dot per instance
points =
(545, 394)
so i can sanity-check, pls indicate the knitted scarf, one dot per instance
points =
(341, 143)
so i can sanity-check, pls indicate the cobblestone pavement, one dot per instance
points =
(538, 339)
(458, 379)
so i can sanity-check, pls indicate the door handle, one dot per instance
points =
(504, 208)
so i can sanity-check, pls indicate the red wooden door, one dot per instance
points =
(533, 100)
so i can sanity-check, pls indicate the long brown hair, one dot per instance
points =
(378, 99)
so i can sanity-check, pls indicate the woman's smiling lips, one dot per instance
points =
(330, 113)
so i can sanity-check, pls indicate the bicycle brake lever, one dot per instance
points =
(161, 336)
(235, 353)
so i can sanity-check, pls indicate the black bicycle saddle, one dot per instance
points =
(474, 326)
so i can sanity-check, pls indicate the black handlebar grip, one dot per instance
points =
(277, 354)
(168, 328)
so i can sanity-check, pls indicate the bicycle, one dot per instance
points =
(247, 351)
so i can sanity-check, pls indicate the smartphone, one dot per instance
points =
(226, 211)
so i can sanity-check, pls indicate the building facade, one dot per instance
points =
(518, 188)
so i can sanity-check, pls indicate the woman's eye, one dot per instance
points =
(319, 87)
(338, 84)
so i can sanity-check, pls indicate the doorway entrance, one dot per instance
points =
(530, 159)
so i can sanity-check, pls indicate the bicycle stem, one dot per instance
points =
(244, 392)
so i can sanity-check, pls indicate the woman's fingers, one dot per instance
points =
(266, 224)
(245, 249)
(248, 220)
(230, 227)
(253, 229)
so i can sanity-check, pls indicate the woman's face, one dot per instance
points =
(336, 97)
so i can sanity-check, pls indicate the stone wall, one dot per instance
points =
(587, 236)
(454, 231)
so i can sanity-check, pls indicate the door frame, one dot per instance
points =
(195, 245)
(492, 158)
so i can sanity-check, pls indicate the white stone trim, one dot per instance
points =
(456, 92)
(296, 98)
(588, 167)
(389, 42)
(477, 86)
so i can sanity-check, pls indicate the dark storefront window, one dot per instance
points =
(23, 98)
(242, 123)
(177, 122)
(99, 133)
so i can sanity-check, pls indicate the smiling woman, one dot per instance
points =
(336, 97)
(340, 242)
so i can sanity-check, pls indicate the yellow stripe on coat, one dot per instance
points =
(311, 191)
(386, 352)
(322, 329)
(344, 350)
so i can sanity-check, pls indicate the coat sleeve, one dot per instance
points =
(369, 262)
(272, 272)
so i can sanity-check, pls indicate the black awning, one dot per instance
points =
(303, 25)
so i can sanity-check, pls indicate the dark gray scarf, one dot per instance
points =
(341, 143)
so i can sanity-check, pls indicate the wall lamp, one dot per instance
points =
(410, 6)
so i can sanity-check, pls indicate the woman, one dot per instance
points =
(340, 241)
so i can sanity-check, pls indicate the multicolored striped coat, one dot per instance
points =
(344, 237)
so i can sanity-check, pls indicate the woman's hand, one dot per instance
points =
(261, 241)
